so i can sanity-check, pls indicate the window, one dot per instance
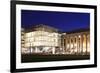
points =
(75, 40)
(71, 40)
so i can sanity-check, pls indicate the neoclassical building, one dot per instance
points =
(76, 42)
(48, 40)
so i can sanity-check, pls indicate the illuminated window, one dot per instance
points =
(79, 36)
(28, 34)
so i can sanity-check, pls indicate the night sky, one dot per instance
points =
(63, 21)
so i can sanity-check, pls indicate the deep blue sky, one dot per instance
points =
(64, 21)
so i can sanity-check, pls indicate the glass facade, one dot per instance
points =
(41, 38)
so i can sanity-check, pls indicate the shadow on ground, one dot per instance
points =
(45, 58)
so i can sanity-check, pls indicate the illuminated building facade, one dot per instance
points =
(22, 38)
(77, 42)
(41, 39)
(47, 40)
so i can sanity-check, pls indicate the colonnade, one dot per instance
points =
(76, 43)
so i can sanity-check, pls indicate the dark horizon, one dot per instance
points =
(63, 21)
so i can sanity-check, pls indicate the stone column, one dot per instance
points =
(86, 43)
(66, 45)
(70, 43)
(77, 43)
(74, 44)
(62, 43)
(82, 44)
